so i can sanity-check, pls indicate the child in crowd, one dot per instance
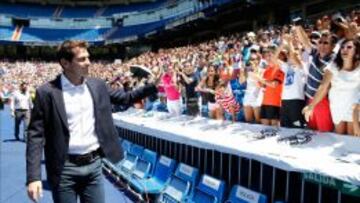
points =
(225, 98)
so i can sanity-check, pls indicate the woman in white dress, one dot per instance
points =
(253, 93)
(342, 82)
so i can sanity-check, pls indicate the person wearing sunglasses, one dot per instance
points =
(342, 83)
(253, 93)
(316, 61)
(315, 37)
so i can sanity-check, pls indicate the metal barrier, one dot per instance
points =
(277, 184)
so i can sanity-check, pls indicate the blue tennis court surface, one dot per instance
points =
(13, 174)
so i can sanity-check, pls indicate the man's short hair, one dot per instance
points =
(333, 38)
(65, 50)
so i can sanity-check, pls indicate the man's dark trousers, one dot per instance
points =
(84, 181)
(21, 115)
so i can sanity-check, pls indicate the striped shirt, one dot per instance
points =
(228, 102)
(316, 73)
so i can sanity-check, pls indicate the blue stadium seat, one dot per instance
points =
(125, 166)
(202, 197)
(156, 183)
(126, 145)
(181, 185)
(209, 190)
(145, 165)
(241, 194)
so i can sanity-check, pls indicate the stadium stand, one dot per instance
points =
(77, 12)
(27, 10)
(36, 10)
(44, 35)
(6, 33)
(111, 10)
(54, 24)
(148, 171)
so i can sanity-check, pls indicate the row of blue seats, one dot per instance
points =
(33, 10)
(146, 173)
(50, 35)
(45, 34)
(6, 33)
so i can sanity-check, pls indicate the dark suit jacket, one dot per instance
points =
(48, 126)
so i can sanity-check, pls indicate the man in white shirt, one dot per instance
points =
(72, 121)
(20, 109)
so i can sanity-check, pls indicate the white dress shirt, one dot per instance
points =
(21, 101)
(79, 109)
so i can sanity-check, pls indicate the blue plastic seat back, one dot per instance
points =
(202, 197)
(168, 199)
(212, 187)
(126, 145)
(241, 194)
(188, 174)
(164, 168)
(136, 150)
(146, 164)
(128, 163)
(176, 190)
(151, 157)
(179, 184)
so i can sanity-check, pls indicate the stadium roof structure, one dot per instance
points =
(80, 2)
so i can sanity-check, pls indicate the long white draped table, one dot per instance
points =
(327, 154)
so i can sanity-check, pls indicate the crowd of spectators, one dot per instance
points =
(296, 76)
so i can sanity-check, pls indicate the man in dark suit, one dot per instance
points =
(72, 121)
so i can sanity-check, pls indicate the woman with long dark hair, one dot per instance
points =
(207, 85)
(342, 82)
